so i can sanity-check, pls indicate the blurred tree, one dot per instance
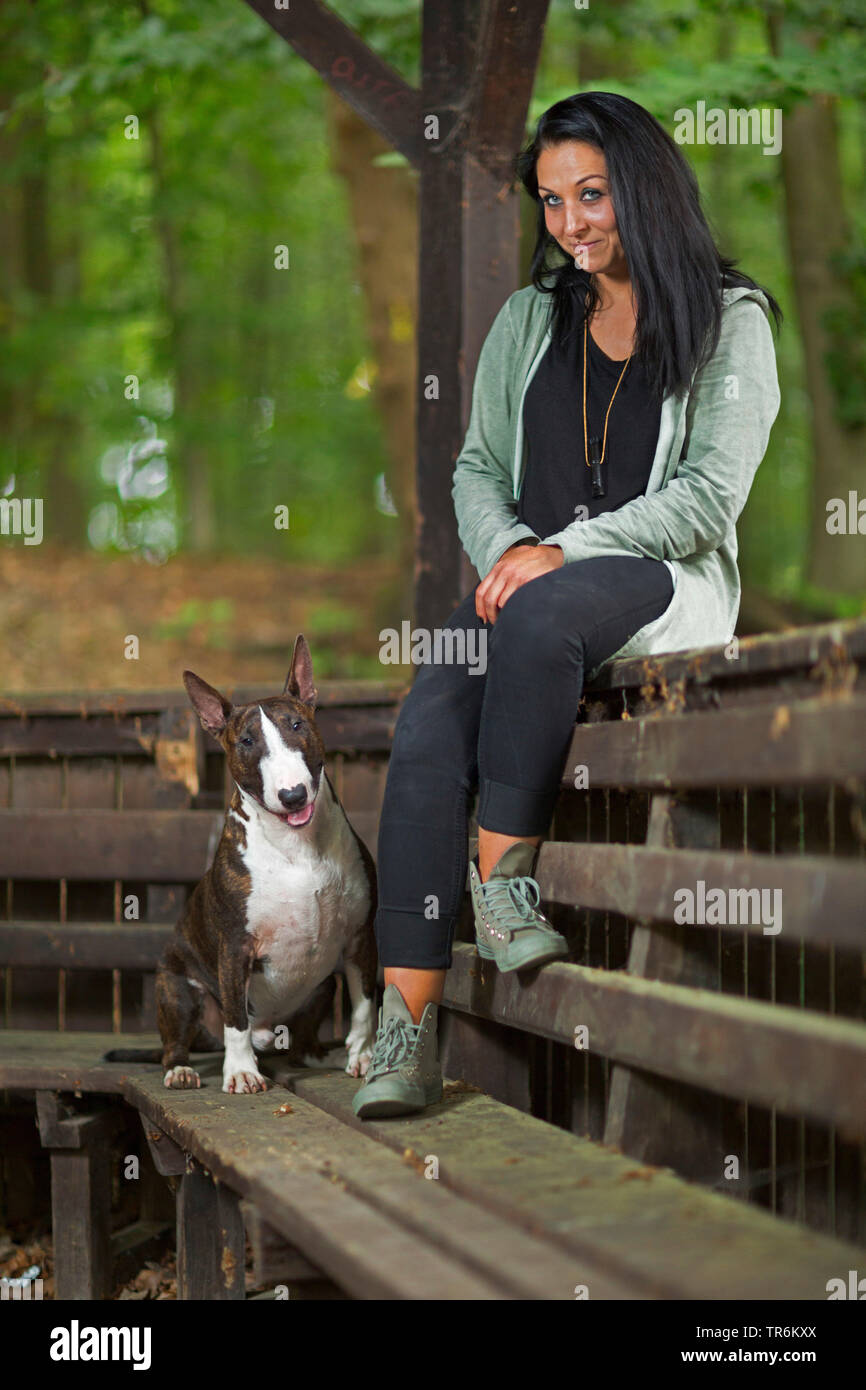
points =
(384, 208)
(831, 308)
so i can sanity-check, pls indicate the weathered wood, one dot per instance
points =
(154, 846)
(503, 73)
(121, 704)
(80, 1197)
(643, 1226)
(299, 1169)
(54, 736)
(357, 74)
(275, 1261)
(160, 846)
(494, 1058)
(811, 741)
(210, 1239)
(811, 1064)
(822, 898)
(83, 945)
(169, 1159)
(50, 1061)
(652, 1118)
(769, 654)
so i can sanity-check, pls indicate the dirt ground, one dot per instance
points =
(66, 620)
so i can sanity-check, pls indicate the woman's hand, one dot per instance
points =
(517, 566)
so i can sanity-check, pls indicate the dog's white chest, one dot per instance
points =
(301, 908)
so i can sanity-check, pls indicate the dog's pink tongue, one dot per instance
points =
(300, 817)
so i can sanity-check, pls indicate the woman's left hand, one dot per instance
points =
(517, 566)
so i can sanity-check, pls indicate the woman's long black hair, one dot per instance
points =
(676, 269)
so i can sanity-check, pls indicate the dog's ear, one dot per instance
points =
(299, 681)
(212, 708)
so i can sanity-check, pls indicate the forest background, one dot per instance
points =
(164, 387)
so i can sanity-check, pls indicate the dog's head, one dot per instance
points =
(273, 748)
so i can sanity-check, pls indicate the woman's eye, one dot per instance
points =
(596, 194)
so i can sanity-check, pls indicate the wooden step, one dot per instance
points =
(643, 1225)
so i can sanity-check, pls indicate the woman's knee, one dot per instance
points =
(539, 622)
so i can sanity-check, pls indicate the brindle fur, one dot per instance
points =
(211, 943)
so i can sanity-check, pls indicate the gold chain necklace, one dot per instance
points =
(597, 447)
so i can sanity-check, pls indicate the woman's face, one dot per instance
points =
(574, 189)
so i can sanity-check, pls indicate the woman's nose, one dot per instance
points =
(575, 224)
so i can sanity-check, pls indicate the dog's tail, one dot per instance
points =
(133, 1054)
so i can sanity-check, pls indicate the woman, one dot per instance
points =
(621, 406)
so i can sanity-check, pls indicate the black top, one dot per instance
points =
(557, 479)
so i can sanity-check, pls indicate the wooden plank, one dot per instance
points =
(484, 1247)
(822, 897)
(82, 945)
(496, 1059)
(55, 736)
(121, 703)
(171, 847)
(817, 740)
(275, 1261)
(90, 995)
(80, 1198)
(504, 64)
(764, 655)
(653, 1118)
(811, 1065)
(322, 1187)
(49, 1061)
(210, 1239)
(159, 846)
(34, 998)
(643, 1225)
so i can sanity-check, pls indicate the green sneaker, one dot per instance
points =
(404, 1074)
(508, 926)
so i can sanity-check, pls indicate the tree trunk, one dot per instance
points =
(197, 512)
(44, 440)
(816, 229)
(384, 211)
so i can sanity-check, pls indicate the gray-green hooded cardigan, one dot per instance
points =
(710, 444)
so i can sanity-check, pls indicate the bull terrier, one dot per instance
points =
(291, 891)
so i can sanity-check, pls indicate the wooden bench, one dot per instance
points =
(705, 1042)
(607, 1166)
(470, 1200)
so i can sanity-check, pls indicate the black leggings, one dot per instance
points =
(505, 730)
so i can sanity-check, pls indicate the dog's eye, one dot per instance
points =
(246, 741)
(296, 723)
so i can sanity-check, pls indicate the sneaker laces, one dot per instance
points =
(392, 1042)
(522, 894)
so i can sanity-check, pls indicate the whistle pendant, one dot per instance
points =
(598, 487)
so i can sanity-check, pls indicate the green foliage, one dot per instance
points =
(157, 258)
(161, 266)
(212, 620)
(846, 327)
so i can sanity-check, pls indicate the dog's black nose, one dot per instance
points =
(293, 798)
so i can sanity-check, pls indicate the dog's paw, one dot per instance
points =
(359, 1061)
(182, 1079)
(239, 1082)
